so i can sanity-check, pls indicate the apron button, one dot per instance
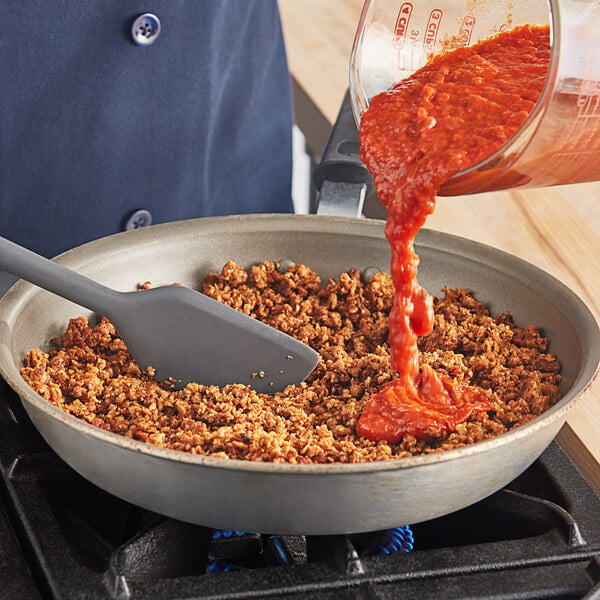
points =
(140, 218)
(145, 29)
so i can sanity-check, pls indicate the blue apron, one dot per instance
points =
(103, 127)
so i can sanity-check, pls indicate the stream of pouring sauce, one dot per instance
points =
(453, 112)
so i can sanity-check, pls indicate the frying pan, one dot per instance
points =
(298, 499)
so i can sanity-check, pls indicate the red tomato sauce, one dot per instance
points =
(452, 113)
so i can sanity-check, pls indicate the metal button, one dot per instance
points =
(145, 29)
(140, 218)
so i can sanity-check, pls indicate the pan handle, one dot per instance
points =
(341, 178)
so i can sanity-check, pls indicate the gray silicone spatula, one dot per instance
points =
(181, 333)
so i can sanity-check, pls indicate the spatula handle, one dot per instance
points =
(56, 279)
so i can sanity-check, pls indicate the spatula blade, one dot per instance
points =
(187, 336)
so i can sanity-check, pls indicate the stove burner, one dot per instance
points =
(63, 538)
(293, 549)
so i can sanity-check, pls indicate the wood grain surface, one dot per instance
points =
(556, 229)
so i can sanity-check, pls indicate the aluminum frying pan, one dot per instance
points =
(299, 499)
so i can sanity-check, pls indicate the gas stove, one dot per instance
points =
(63, 538)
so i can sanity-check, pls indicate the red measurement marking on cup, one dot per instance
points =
(589, 105)
(432, 29)
(466, 30)
(402, 21)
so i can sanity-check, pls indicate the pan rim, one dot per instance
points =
(22, 291)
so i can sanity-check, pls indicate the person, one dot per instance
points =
(115, 115)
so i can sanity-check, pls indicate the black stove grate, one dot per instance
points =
(63, 538)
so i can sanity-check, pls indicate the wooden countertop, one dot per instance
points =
(556, 229)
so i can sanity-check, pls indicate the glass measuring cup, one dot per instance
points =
(559, 142)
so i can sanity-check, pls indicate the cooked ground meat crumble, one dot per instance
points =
(91, 375)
